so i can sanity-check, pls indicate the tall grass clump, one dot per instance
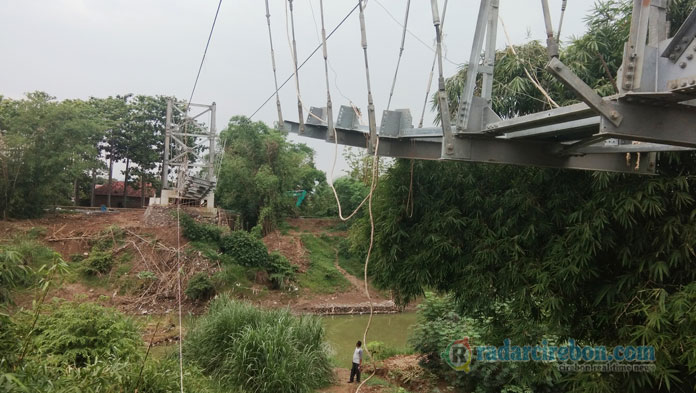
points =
(265, 351)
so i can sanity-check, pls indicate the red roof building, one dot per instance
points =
(135, 199)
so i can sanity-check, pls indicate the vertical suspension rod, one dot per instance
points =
(297, 75)
(401, 52)
(273, 62)
(432, 70)
(551, 44)
(370, 102)
(448, 138)
(329, 104)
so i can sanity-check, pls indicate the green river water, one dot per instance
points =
(343, 331)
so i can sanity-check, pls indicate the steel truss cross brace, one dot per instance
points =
(653, 111)
(180, 142)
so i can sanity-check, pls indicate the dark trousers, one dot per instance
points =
(355, 371)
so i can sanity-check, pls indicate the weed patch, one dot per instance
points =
(322, 276)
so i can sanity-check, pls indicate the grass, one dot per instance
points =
(263, 350)
(352, 264)
(322, 276)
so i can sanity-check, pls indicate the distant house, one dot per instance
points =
(135, 199)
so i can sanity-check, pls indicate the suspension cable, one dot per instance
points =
(345, 18)
(205, 51)
(273, 62)
(178, 208)
(401, 52)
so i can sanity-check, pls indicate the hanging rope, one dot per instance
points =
(401, 52)
(273, 62)
(178, 287)
(375, 171)
(294, 60)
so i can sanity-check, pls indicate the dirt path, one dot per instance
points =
(358, 284)
(342, 385)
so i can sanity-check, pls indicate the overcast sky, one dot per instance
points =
(83, 48)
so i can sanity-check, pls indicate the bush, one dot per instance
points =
(380, 351)
(200, 287)
(77, 334)
(13, 273)
(280, 271)
(246, 249)
(108, 238)
(196, 231)
(98, 262)
(437, 327)
(262, 350)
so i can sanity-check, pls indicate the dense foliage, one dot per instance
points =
(85, 348)
(260, 170)
(78, 334)
(51, 151)
(351, 192)
(199, 232)
(262, 350)
(532, 253)
(280, 271)
(200, 287)
(245, 249)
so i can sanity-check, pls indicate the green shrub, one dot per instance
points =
(147, 275)
(108, 238)
(77, 334)
(262, 350)
(438, 325)
(196, 231)
(381, 351)
(200, 287)
(280, 271)
(246, 249)
(98, 262)
(13, 273)
(231, 274)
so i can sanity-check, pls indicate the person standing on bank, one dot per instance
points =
(357, 363)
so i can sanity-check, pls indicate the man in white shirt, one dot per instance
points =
(357, 362)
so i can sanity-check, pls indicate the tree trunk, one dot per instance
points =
(94, 184)
(75, 193)
(111, 174)
(142, 190)
(125, 184)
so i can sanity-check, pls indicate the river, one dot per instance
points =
(343, 331)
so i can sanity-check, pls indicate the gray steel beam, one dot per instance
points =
(583, 91)
(631, 148)
(478, 149)
(562, 114)
(590, 125)
(669, 125)
(680, 41)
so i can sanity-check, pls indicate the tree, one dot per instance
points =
(46, 147)
(259, 171)
(532, 254)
